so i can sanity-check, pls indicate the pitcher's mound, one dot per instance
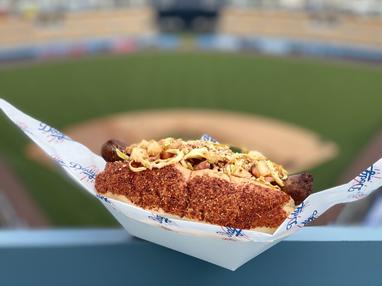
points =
(296, 148)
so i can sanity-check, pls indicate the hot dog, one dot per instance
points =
(202, 181)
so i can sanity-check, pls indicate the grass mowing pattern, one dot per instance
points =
(340, 101)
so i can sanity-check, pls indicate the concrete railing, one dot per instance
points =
(314, 256)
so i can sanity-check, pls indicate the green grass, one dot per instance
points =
(340, 101)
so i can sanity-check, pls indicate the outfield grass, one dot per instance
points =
(340, 101)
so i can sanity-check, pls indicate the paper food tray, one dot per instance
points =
(224, 246)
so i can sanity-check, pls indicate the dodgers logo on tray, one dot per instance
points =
(294, 216)
(206, 137)
(161, 219)
(102, 198)
(360, 182)
(52, 133)
(311, 218)
(362, 179)
(88, 173)
(232, 232)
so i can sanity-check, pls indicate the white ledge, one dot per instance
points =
(71, 237)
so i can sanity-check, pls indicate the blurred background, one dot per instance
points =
(299, 80)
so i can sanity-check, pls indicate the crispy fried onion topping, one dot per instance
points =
(191, 154)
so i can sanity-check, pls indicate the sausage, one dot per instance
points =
(298, 186)
(255, 171)
(202, 165)
(108, 150)
(166, 155)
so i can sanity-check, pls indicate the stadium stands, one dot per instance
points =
(302, 25)
(275, 29)
(77, 25)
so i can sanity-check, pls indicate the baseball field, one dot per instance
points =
(340, 101)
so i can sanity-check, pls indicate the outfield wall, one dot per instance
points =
(266, 45)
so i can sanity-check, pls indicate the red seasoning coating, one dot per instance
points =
(203, 197)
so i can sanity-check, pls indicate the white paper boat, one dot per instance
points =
(223, 246)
